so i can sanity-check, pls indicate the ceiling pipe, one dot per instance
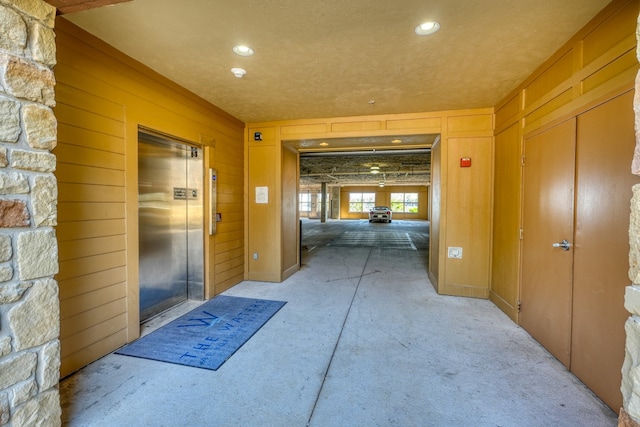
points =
(367, 173)
(364, 153)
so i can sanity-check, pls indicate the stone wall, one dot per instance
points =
(630, 413)
(29, 306)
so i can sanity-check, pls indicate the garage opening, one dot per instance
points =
(365, 192)
(346, 178)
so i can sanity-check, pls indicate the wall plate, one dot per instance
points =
(455, 252)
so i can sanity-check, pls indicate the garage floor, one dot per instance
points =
(363, 341)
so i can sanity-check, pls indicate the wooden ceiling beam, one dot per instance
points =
(70, 6)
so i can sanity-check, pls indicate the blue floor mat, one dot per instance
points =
(208, 335)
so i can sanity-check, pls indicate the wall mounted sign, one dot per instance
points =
(262, 195)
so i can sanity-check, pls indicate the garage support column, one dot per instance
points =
(630, 413)
(323, 201)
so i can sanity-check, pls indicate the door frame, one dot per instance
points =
(547, 271)
(203, 247)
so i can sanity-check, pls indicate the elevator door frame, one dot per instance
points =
(187, 284)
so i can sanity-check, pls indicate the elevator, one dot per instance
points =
(170, 223)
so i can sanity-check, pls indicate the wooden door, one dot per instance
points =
(606, 140)
(547, 219)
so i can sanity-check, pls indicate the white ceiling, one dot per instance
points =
(329, 58)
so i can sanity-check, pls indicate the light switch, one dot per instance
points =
(455, 252)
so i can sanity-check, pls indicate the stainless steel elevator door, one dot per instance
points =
(170, 223)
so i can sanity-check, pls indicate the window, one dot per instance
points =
(361, 202)
(305, 202)
(404, 202)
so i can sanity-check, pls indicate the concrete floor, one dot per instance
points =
(363, 341)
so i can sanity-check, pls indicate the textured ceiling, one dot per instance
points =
(334, 58)
(329, 58)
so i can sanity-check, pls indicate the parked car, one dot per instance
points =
(380, 213)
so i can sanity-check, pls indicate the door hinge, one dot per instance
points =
(522, 160)
(519, 306)
(521, 234)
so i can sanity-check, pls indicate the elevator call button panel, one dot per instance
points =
(180, 193)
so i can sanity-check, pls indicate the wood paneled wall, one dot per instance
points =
(435, 208)
(469, 216)
(464, 206)
(263, 227)
(597, 64)
(290, 219)
(102, 98)
(467, 132)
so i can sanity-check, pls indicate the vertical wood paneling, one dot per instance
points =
(469, 191)
(435, 232)
(603, 65)
(557, 73)
(610, 71)
(507, 112)
(506, 216)
(606, 139)
(264, 242)
(470, 123)
(611, 31)
(289, 218)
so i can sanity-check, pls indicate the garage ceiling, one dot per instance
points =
(398, 160)
(411, 167)
(334, 58)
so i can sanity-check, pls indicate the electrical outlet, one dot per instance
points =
(255, 255)
(455, 252)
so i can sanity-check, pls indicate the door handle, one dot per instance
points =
(565, 245)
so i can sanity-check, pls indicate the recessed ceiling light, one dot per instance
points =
(243, 50)
(427, 28)
(239, 72)
(324, 144)
(396, 141)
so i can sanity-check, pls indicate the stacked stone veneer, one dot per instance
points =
(630, 413)
(29, 304)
